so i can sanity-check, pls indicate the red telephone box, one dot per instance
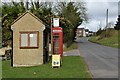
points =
(57, 41)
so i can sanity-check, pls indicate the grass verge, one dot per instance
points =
(111, 41)
(71, 47)
(72, 67)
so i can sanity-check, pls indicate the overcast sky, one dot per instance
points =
(97, 13)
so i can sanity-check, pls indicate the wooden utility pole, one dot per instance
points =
(27, 5)
(0, 34)
(106, 22)
(51, 35)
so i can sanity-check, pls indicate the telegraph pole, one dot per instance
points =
(27, 3)
(0, 33)
(51, 35)
(106, 22)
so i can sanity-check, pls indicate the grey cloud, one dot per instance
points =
(97, 12)
(98, 9)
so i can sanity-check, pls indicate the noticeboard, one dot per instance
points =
(56, 60)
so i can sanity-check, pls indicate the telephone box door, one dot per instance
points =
(57, 41)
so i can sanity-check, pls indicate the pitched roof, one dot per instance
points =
(27, 12)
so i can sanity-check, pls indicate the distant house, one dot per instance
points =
(30, 41)
(81, 32)
(87, 32)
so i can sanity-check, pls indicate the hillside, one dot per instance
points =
(110, 40)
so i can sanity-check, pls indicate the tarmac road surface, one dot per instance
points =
(102, 61)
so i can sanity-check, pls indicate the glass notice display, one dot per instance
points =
(56, 60)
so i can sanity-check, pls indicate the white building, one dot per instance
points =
(81, 31)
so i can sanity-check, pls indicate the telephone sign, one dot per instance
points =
(57, 31)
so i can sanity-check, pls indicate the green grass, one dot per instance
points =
(72, 67)
(111, 41)
(71, 47)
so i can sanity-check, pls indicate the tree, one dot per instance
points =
(10, 11)
(72, 17)
(42, 10)
(117, 25)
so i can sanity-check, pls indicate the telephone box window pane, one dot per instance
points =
(56, 46)
(24, 40)
(56, 43)
(33, 40)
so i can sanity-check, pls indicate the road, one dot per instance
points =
(102, 61)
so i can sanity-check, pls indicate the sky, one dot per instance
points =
(97, 10)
